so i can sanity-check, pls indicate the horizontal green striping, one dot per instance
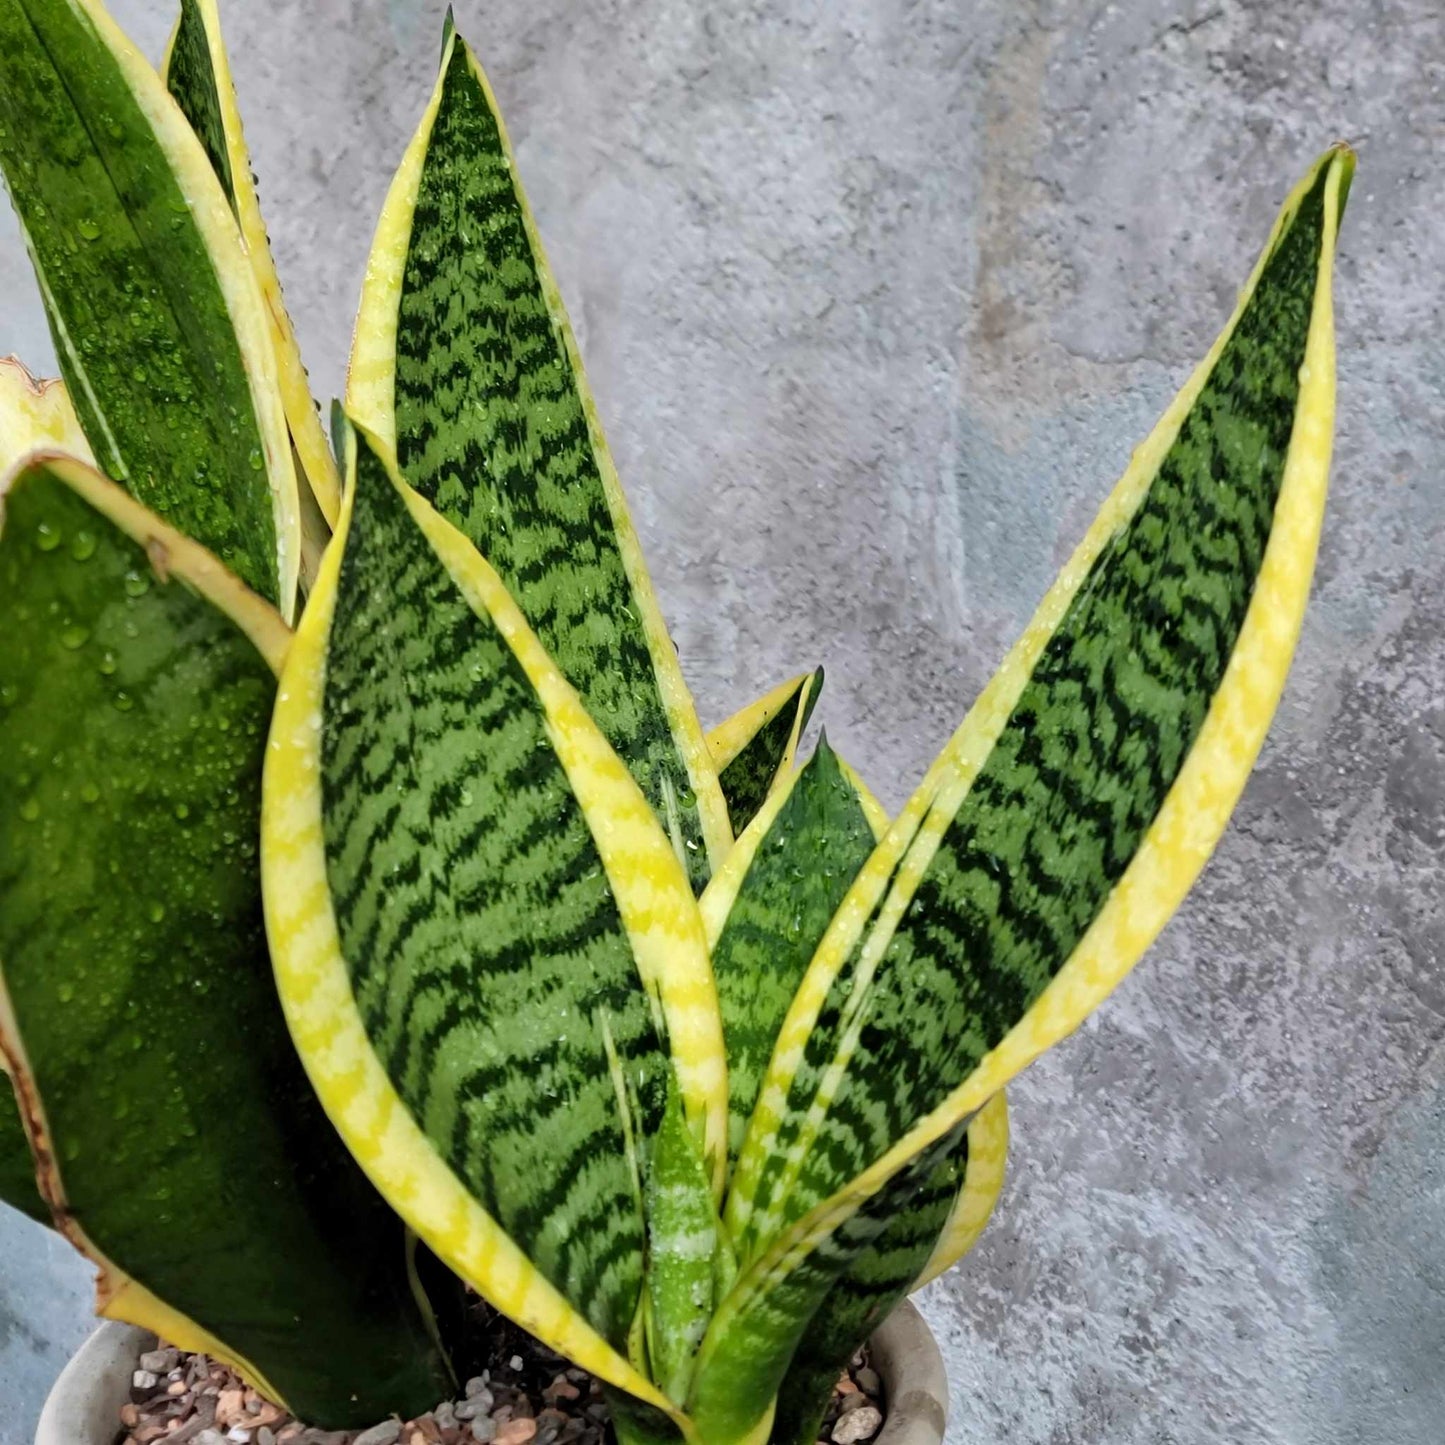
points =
(755, 1333)
(1086, 759)
(682, 1240)
(191, 80)
(17, 1165)
(488, 957)
(189, 1146)
(492, 429)
(141, 327)
(864, 1296)
(749, 777)
(799, 875)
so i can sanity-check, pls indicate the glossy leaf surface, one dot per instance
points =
(464, 361)
(754, 749)
(183, 1150)
(488, 950)
(1065, 821)
(157, 319)
(197, 73)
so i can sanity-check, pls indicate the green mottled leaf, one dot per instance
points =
(682, 1239)
(1072, 810)
(197, 73)
(17, 1165)
(767, 909)
(1060, 827)
(191, 79)
(745, 1357)
(864, 1295)
(157, 319)
(464, 357)
(754, 749)
(492, 895)
(193, 1162)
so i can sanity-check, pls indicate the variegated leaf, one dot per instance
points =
(464, 366)
(197, 72)
(158, 321)
(17, 1164)
(1071, 812)
(488, 951)
(36, 416)
(754, 749)
(180, 1147)
(766, 912)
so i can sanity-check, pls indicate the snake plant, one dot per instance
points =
(366, 879)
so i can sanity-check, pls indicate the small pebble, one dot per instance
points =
(860, 1424)
(144, 1380)
(265, 1436)
(868, 1381)
(515, 1432)
(160, 1362)
(387, 1433)
(484, 1429)
(474, 1387)
(516, 1363)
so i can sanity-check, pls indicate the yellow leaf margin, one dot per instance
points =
(653, 898)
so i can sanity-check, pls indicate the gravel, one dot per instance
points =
(533, 1397)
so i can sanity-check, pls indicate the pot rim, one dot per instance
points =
(83, 1407)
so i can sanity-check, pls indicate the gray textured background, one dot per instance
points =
(876, 297)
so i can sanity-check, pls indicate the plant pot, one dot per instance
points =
(84, 1405)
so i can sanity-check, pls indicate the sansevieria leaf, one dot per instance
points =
(465, 366)
(197, 72)
(180, 1147)
(489, 955)
(919, 1240)
(1077, 803)
(766, 911)
(35, 416)
(17, 1164)
(158, 320)
(754, 748)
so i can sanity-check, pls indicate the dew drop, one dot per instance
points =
(124, 702)
(89, 228)
(182, 811)
(82, 546)
(47, 536)
(157, 912)
(107, 664)
(74, 637)
(136, 584)
(30, 810)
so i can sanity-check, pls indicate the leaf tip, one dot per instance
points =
(1342, 158)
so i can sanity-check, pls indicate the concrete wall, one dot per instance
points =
(876, 296)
